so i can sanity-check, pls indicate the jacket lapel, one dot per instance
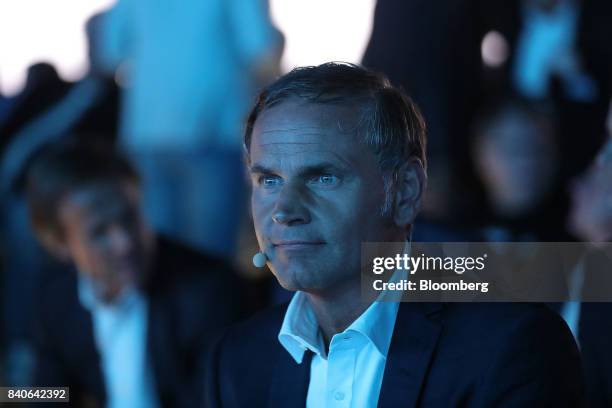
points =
(162, 352)
(413, 343)
(290, 380)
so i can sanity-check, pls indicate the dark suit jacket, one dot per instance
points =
(189, 296)
(595, 329)
(441, 355)
(595, 336)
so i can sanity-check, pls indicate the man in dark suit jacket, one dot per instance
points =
(441, 355)
(129, 324)
(189, 297)
(337, 158)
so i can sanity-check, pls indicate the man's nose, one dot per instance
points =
(290, 207)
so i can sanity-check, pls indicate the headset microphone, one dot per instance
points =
(260, 259)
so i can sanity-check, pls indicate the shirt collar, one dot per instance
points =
(300, 330)
(376, 324)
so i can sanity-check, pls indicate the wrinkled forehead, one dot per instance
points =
(296, 113)
(297, 129)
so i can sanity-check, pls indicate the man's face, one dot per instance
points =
(517, 159)
(105, 236)
(317, 194)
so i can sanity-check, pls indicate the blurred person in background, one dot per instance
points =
(453, 55)
(591, 215)
(189, 71)
(557, 51)
(45, 111)
(591, 322)
(516, 155)
(127, 325)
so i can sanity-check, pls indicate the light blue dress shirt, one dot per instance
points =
(120, 334)
(351, 374)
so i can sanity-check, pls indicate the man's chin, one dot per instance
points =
(284, 278)
(294, 278)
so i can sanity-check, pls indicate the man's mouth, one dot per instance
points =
(296, 244)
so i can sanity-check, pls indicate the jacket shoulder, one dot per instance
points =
(181, 269)
(256, 332)
(502, 318)
(512, 352)
(242, 360)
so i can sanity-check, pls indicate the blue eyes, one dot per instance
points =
(270, 181)
(320, 180)
(326, 179)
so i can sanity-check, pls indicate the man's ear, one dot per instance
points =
(54, 244)
(410, 185)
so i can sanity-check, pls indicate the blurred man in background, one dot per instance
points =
(45, 111)
(516, 156)
(558, 53)
(553, 51)
(591, 216)
(591, 322)
(127, 326)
